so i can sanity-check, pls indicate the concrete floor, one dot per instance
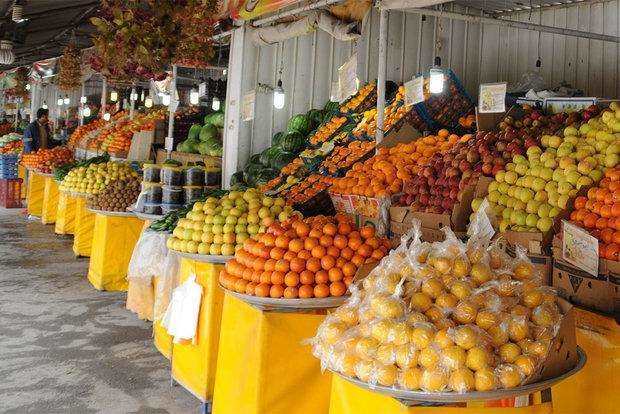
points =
(66, 347)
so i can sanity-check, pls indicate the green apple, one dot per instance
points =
(192, 247)
(554, 212)
(541, 196)
(521, 168)
(554, 141)
(198, 206)
(493, 186)
(228, 228)
(215, 249)
(526, 195)
(584, 181)
(493, 197)
(543, 210)
(217, 228)
(510, 166)
(207, 237)
(532, 206)
(564, 187)
(253, 229)
(203, 248)
(519, 205)
(571, 130)
(558, 175)
(504, 225)
(510, 203)
(512, 190)
(531, 220)
(544, 224)
(562, 201)
(499, 176)
(268, 201)
(511, 177)
(507, 213)
(240, 228)
(519, 159)
(241, 237)
(611, 160)
(218, 239)
(572, 177)
(596, 175)
(503, 187)
(538, 184)
(503, 199)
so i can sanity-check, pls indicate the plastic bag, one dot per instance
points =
(168, 279)
(181, 317)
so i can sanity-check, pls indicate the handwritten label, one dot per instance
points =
(414, 91)
(247, 107)
(492, 98)
(347, 78)
(579, 248)
(202, 89)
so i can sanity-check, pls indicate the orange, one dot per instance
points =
(277, 253)
(590, 220)
(321, 276)
(606, 211)
(270, 264)
(306, 291)
(340, 241)
(601, 223)
(344, 228)
(607, 235)
(321, 291)
(297, 264)
(282, 265)
(262, 290)
(315, 233)
(330, 229)
(357, 260)
(580, 202)
(277, 278)
(373, 242)
(347, 253)
(616, 237)
(247, 273)
(348, 280)
(291, 279)
(318, 252)
(367, 232)
(282, 241)
(276, 291)
(377, 254)
(333, 251)
(268, 239)
(291, 292)
(304, 254)
(306, 278)
(355, 243)
(310, 243)
(337, 288)
(249, 288)
(289, 255)
(335, 274)
(313, 264)
(296, 245)
(615, 209)
(326, 240)
(365, 251)
(327, 262)
(349, 269)
(302, 229)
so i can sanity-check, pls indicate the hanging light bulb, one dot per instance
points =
(278, 96)
(7, 56)
(148, 102)
(44, 106)
(113, 96)
(83, 99)
(142, 96)
(106, 116)
(165, 99)
(66, 101)
(86, 111)
(27, 86)
(436, 81)
(17, 14)
(194, 98)
(60, 101)
(216, 104)
(133, 96)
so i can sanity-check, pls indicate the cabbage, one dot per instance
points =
(208, 132)
(216, 119)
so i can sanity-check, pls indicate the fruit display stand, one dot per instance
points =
(34, 198)
(50, 200)
(83, 230)
(65, 213)
(114, 237)
(265, 351)
(194, 363)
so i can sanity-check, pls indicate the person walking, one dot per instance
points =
(37, 135)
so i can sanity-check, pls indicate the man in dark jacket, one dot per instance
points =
(37, 135)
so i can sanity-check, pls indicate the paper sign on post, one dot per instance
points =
(414, 91)
(579, 248)
(347, 78)
(247, 107)
(202, 89)
(492, 98)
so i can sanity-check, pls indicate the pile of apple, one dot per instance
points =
(537, 187)
(439, 187)
(217, 225)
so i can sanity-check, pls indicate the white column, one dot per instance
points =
(81, 105)
(381, 72)
(173, 88)
(132, 102)
(234, 99)
(104, 97)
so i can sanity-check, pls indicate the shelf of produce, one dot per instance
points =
(83, 230)
(34, 198)
(289, 305)
(114, 236)
(266, 350)
(65, 213)
(413, 398)
(49, 208)
(194, 363)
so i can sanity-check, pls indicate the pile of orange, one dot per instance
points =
(82, 130)
(353, 104)
(45, 160)
(384, 174)
(306, 189)
(345, 156)
(328, 129)
(468, 121)
(392, 114)
(599, 213)
(315, 257)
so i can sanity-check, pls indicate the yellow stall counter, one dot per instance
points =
(113, 240)
(65, 213)
(21, 173)
(50, 201)
(263, 366)
(194, 364)
(83, 230)
(593, 390)
(34, 198)
(161, 339)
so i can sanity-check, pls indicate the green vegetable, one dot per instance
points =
(194, 132)
(208, 132)
(216, 119)
(281, 159)
(299, 123)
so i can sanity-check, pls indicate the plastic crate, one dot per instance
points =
(10, 193)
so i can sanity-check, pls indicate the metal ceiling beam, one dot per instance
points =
(313, 6)
(409, 4)
(511, 23)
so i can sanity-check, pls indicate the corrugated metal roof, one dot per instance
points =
(508, 6)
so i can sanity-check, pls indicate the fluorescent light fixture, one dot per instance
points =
(113, 96)
(165, 99)
(27, 86)
(148, 102)
(133, 96)
(86, 111)
(66, 101)
(106, 116)
(83, 99)
(44, 106)
(60, 101)
(436, 82)
(193, 97)
(216, 104)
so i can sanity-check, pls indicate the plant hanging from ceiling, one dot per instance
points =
(70, 72)
(140, 39)
(19, 89)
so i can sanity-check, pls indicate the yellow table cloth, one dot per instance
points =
(83, 231)
(34, 199)
(194, 364)
(21, 173)
(65, 214)
(50, 201)
(112, 245)
(161, 339)
(263, 367)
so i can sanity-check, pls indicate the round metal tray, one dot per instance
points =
(417, 397)
(145, 216)
(289, 305)
(203, 258)
(112, 213)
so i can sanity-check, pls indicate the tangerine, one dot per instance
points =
(321, 276)
(321, 290)
(327, 262)
(306, 278)
(337, 288)
(276, 291)
(291, 292)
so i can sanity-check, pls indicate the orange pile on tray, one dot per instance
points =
(599, 213)
(303, 258)
(306, 189)
(327, 130)
(345, 156)
(384, 174)
(44, 160)
(82, 130)
(12, 147)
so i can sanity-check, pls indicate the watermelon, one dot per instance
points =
(208, 132)
(299, 123)
(194, 132)
(264, 157)
(316, 118)
(266, 175)
(281, 159)
(277, 138)
(254, 159)
(293, 142)
(237, 179)
(203, 148)
(216, 119)
(189, 146)
(332, 107)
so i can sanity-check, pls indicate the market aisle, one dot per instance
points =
(65, 347)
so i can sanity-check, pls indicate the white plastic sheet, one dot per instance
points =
(181, 317)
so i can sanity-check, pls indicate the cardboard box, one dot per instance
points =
(342, 203)
(490, 122)
(582, 288)
(543, 263)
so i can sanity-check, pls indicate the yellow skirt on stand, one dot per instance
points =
(50, 201)
(34, 199)
(83, 232)
(65, 214)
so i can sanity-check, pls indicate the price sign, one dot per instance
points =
(414, 91)
(247, 107)
(334, 96)
(492, 98)
(202, 89)
(347, 78)
(579, 248)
